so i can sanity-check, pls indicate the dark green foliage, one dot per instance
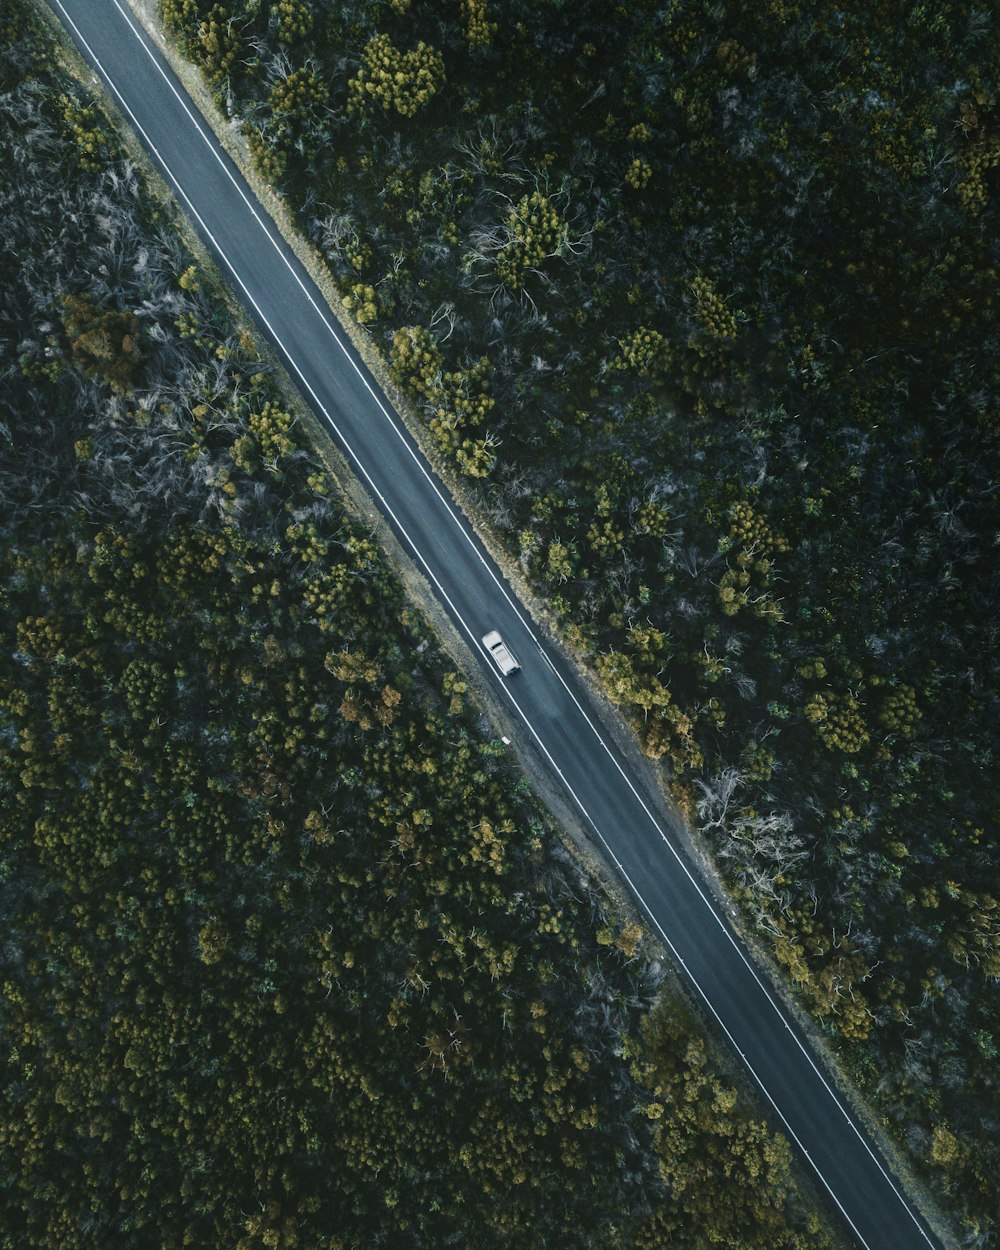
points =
(268, 950)
(287, 960)
(733, 270)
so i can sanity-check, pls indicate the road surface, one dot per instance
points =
(546, 700)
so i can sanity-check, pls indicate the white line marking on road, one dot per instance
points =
(457, 615)
(545, 657)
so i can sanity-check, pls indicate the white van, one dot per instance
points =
(502, 655)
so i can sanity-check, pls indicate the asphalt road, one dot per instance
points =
(547, 702)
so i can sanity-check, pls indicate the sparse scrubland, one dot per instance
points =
(701, 303)
(289, 958)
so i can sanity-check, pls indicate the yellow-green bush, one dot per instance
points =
(534, 231)
(396, 80)
(839, 721)
(91, 140)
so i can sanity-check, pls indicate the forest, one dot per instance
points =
(698, 304)
(290, 957)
